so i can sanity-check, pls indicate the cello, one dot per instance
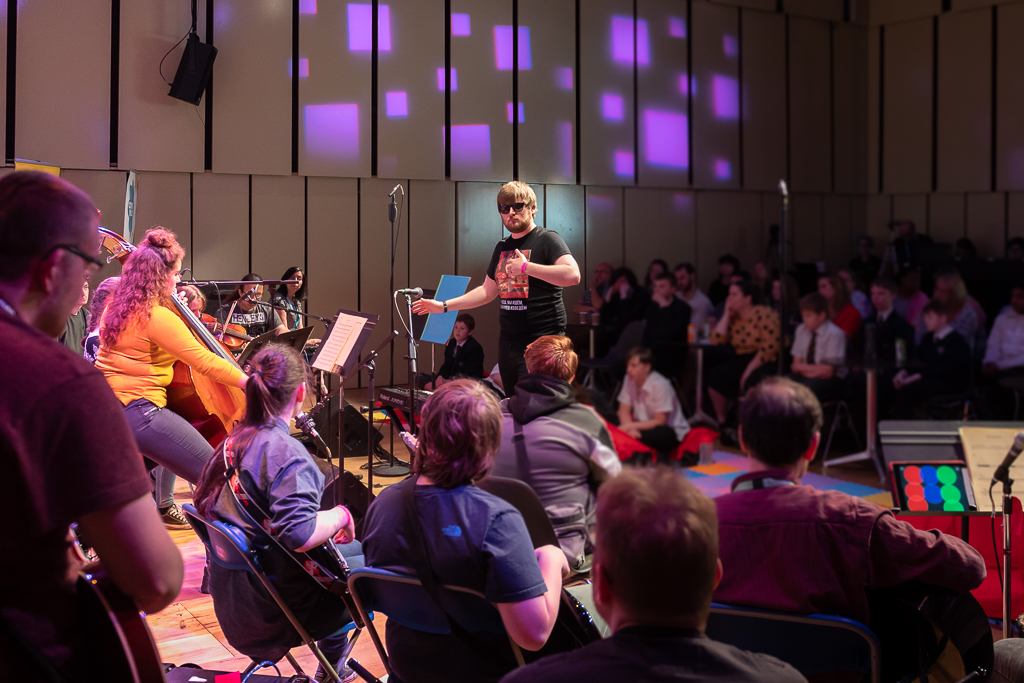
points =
(209, 406)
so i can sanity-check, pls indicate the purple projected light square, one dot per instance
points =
(612, 108)
(565, 148)
(563, 77)
(440, 80)
(503, 48)
(727, 97)
(677, 27)
(460, 25)
(522, 112)
(723, 169)
(622, 41)
(471, 145)
(625, 164)
(303, 68)
(360, 28)
(307, 6)
(684, 87)
(730, 46)
(332, 130)
(665, 139)
(397, 104)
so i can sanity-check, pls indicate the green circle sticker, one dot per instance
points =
(951, 506)
(946, 474)
(950, 494)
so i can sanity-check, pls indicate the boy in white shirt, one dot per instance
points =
(819, 348)
(648, 407)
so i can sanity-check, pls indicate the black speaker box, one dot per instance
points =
(345, 490)
(194, 70)
(355, 432)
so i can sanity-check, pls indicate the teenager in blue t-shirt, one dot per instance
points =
(474, 540)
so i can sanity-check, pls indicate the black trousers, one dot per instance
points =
(661, 438)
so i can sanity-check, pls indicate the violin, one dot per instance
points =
(231, 336)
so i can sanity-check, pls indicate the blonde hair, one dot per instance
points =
(515, 191)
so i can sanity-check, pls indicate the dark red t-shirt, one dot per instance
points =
(65, 451)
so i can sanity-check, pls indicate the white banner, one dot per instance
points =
(129, 208)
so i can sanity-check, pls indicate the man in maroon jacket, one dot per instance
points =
(791, 547)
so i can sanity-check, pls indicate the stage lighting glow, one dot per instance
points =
(332, 131)
(684, 87)
(563, 77)
(303, 67)
(440, 80)
(360, 28)
(600, 203)
(727, 97)
(622, 41)
(460, 25)
(730, 46)
(522, 112)
(471, 145)
(625, 164)
(681, 202)
(612, 108)
(397, 104)
(307, 6)
(723, 169)
(677, 27)
(666, 141)
(565, 148)
(503, 48)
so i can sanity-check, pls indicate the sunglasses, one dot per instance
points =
(517, 207)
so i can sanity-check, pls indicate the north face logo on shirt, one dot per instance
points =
(452, 530)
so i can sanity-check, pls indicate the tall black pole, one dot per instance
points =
(783, 241)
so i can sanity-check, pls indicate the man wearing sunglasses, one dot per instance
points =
(65, 449)
(527, 272)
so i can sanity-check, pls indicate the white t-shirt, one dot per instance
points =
(700, 306)
(655, 396)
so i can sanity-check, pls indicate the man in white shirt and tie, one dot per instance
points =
(819, 348)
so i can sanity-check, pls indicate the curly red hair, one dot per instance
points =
(143, 284)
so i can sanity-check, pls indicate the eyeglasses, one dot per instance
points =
(517, 207)
(92, 260)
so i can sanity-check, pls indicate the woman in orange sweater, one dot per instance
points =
(140, 340)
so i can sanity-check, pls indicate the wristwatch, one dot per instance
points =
(445, 304)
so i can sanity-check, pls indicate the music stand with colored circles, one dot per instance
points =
(941, 488)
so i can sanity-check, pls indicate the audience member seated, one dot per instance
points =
(737, 277)
(648, 407)
(792, 547)
(905, 248)
(889, 328)
(463, 356)
(77, 325)
(472, 539)
(668, 318)
(786, 288)
(1004, 355)
(760, 276)
(719, 289)
(593, 296)
(951, 291)
(687, 290)
(656, 268)
(748, 341)
(840, 310)
(865, 265)
(942, 361)
(653, 518)
(819, 349)
(910, 300)
(626, 302)
(493, 382)
(964, 249)
(855, 287)
(1015, 249)
(558, 447)
(275, 473)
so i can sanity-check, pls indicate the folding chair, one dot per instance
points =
(811, 643)
(228, 547)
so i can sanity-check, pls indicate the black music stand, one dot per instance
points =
(294, 338)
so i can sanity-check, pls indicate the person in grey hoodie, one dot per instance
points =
(564, 452)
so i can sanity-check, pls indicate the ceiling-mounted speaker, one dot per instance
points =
(194, 70)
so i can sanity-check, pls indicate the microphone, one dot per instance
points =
(1003, 471)
(783, 190)
(393, 191)
(304, 421)
(415, 291)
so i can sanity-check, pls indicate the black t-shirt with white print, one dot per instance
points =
(530, 307)
(256, 321)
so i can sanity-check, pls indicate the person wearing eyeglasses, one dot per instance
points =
(251, 312)
(527, 272)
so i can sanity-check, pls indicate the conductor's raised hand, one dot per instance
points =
(424, 306)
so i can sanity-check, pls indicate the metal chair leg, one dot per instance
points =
(831, 433)
(295, 665)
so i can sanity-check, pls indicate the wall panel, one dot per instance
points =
(986, 223)
(810, 109)
(912, 207)
(252, 100)
(659, 224)
(220, 226)
(726, 223)
(430, 231)
(606, 93)
(716, 102)
(564, 215)
(764, 104)
(106, 188)
(837, 236)
(829, 10)
(947, 215)
(162, 199)
(547, 147)
(874, 100)
(334, 99)
(410, 141)
(879, 213)
(888, 12)
(478, 229)
(63, 83)
(605, 226)
(850, 106)
(907, 116)
(278, 225)
(1015, 215)
(481, 130)
(333, 236)
(806, 226)
(148, 31)
(964, 151)
(1010, 98)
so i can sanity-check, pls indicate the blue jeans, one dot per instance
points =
(168, 439)
(333, 646)
(163, 486)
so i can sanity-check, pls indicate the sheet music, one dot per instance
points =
(336, 349)
(984, 449)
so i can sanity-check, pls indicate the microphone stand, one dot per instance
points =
(1007, 511)
(783, 242)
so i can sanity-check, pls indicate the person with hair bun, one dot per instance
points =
(472, 539)
(141, 338)
(278, 475)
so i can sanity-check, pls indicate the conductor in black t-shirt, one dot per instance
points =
(527, 272)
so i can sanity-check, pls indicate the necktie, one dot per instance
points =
(813, 348)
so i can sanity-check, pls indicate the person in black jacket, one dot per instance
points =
(463, 356)
(943, 358)
(625, 302)
(889, 324)
(665, 333)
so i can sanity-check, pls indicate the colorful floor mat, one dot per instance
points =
(716, 479)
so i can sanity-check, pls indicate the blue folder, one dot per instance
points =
(440, 325)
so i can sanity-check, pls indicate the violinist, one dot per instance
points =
(250, 312)
(141, 337)
(193, 298)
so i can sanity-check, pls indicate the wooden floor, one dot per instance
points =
(187, 630)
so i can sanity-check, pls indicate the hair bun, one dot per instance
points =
(160, 238)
